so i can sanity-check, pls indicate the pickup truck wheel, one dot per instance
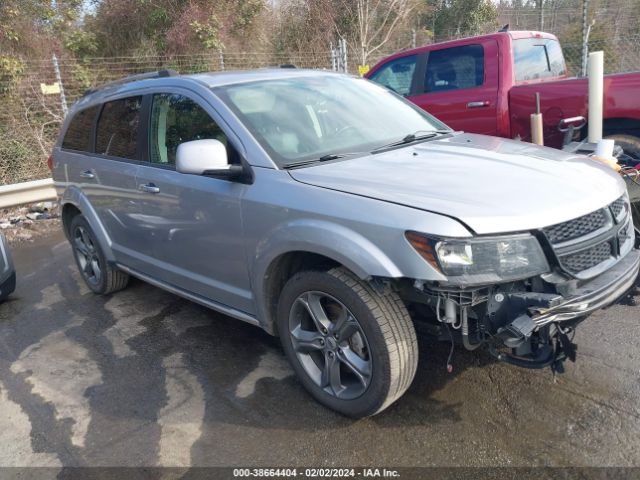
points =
(629, 143)
(99, 276)
(353, 348)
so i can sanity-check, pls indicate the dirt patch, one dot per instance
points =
(29, 222)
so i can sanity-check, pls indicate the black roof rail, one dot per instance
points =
(133, 78)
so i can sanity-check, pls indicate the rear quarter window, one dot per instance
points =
(536, 58)
(78, 135)
(118, 128)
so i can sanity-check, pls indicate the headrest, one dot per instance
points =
(252, 100)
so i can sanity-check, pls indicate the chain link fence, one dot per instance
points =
(32, 105)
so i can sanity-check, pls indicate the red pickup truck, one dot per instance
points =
(487, 84)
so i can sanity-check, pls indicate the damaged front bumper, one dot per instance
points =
(539, 337)
(594, 295)
(528, 323)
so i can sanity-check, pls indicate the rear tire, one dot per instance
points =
(630, 144)
(353, 347)
(99, 276)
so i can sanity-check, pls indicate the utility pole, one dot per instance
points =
(586, 30)
(541, 9)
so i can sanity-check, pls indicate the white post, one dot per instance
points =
(333, 57)
(344, 53)
(63, 98)
(596, 95)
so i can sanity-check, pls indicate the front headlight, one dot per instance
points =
(482, 260)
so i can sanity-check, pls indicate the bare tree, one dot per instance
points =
(368, 25)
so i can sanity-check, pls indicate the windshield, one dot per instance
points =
(306, 118)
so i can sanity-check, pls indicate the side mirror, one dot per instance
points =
(205, 157)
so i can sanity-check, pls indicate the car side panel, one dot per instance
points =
(109, 187)
(193, 231)
(7, 270)
(281, 215)
(467, 109)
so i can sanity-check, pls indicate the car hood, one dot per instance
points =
(492, 185)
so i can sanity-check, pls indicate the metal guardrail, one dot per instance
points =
(27, 192)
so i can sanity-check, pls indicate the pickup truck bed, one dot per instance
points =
(487, 84)
(568, 98)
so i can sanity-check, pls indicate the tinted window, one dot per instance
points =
(78, 135)
(397, 75)
(176, 119)
(537, 58)
(455, 68)
(118, 128)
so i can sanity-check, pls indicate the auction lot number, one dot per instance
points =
(314, 472)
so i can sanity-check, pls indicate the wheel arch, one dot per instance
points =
(74, 202)
(311, 245)
(629, 126)
(615, 125)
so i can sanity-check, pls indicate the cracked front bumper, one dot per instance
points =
(594, 295)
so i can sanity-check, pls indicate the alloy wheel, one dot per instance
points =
(330, 345)
(87, 255)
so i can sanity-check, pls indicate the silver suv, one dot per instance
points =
(330, 211)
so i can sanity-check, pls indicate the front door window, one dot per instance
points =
(177, 119)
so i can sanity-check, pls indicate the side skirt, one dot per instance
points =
(232, 312)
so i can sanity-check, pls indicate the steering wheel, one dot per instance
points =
(345, 129)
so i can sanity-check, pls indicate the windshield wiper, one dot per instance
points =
(412, 137)
(324, 158)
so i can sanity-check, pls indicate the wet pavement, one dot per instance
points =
(143, 377)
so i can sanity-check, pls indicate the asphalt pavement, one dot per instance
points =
(145, 378)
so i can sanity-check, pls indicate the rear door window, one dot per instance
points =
(455, 68)
(78, 135)
(397, 75)
(536, 58)
(118, 128)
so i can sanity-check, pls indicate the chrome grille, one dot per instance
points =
(618, 206)
(586, 259)
(579, 227)
(593, 240)
(623, 234)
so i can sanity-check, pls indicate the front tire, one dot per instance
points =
(353, 347)
(99, 276)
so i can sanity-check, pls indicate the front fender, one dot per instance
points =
(334, 241)
(74, 196)
(331, 240)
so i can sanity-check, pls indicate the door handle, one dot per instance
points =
(478, 104)
(149, 188)
(88, 174)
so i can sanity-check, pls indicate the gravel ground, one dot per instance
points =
(144, 378)
(28, 223)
